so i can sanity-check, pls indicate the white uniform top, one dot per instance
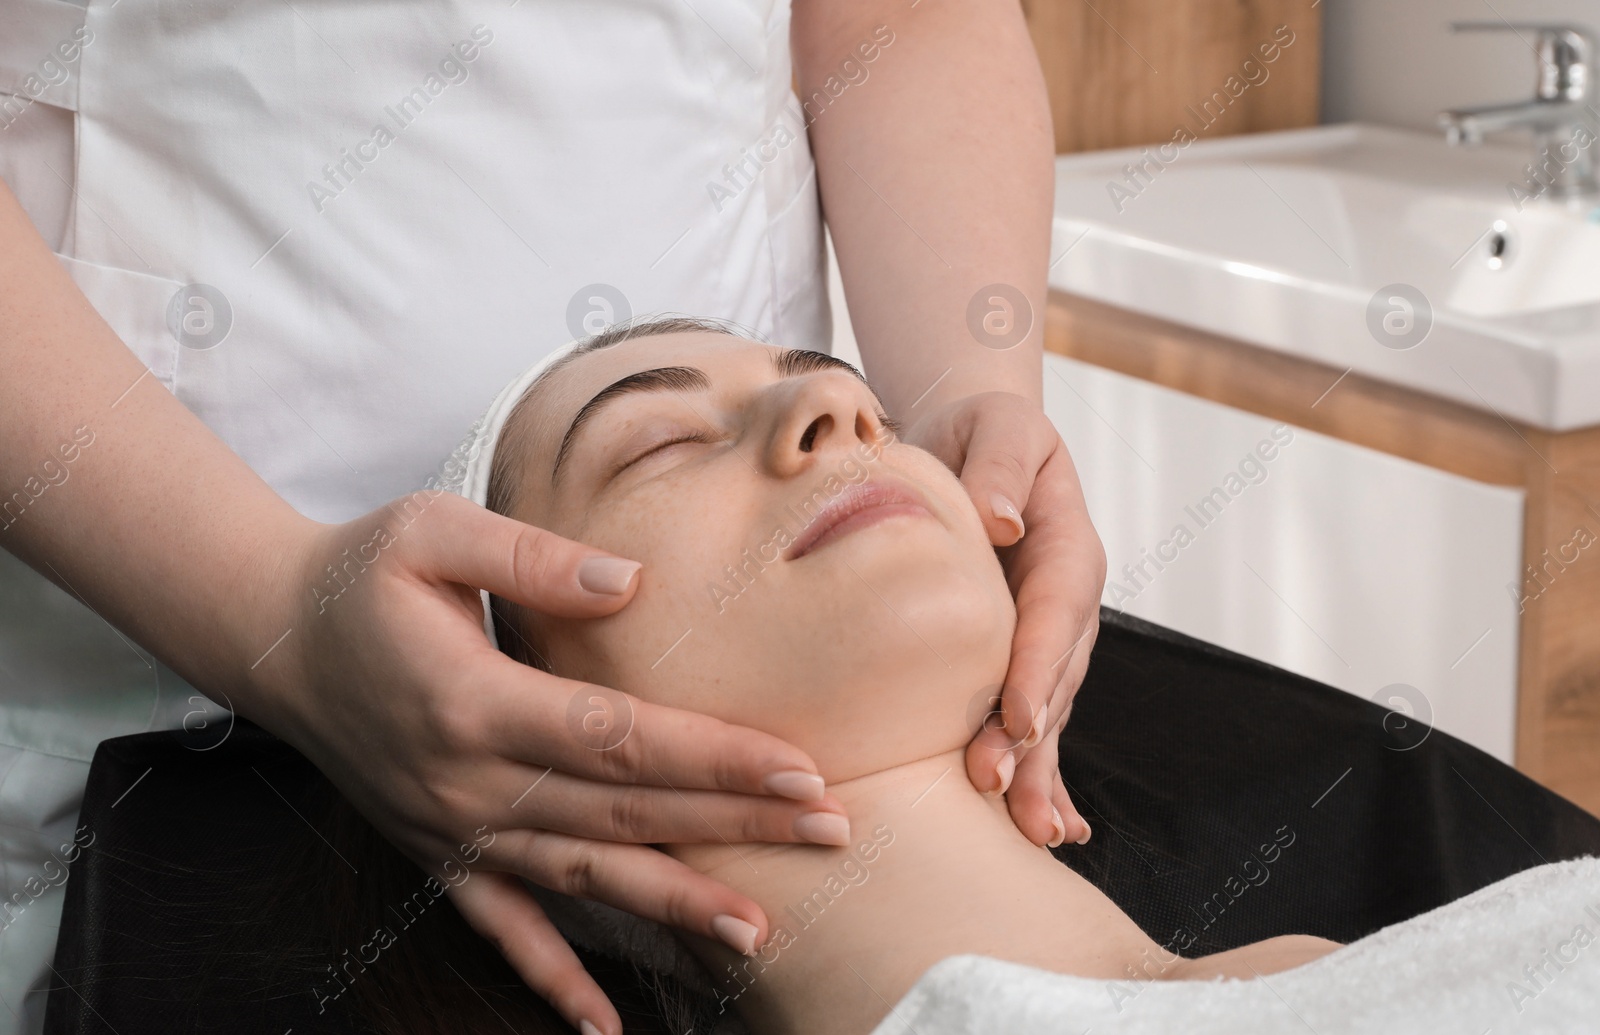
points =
(334, 229)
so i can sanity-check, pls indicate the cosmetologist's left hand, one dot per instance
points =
(1019, 474)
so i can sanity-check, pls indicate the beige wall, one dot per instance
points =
(1396, 61)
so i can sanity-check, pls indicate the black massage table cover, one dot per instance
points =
(1230, 800)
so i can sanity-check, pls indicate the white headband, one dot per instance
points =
(466, 473)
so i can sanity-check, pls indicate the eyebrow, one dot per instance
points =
(787, 363)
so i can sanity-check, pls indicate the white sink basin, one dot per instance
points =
(1285, 239)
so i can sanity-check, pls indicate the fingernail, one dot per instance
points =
(608, 575)
(1007, 768)
(823, 828)
(1086, 832)
(794, 783)
(739, 934)
(1005, 510)
(588, 1027)
(1061, 828)
(1036, 732)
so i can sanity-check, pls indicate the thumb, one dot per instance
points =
(459, 541)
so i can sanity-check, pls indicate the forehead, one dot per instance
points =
(567, 389)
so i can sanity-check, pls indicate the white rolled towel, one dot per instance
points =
(1519, 956)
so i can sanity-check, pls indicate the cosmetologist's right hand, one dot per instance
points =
(380, 675)
(387, 683)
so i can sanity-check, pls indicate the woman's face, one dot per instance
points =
(804, 573)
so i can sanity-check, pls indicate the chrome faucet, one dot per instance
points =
(1561, 114)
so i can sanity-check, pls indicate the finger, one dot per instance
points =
(607, 735)
(1073, 671)
(1004, 452)
(1039, 789)
(506, 915)
(1057, 575)
(638, 880)
(1031, 792)
(455, 539)
(1049, 719)
(1078, 830)
(991, 759)
(1077, 827)
(638, 814)
(1035, 806)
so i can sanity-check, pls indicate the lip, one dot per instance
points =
(856, 508)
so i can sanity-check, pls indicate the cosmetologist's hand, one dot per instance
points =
(1019, 474)
(482, 769)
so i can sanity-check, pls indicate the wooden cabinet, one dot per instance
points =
(1122, 73)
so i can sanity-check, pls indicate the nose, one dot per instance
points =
(816, 418)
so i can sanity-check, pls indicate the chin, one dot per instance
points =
(950, 597)
(904, 662)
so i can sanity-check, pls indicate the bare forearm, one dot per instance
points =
(937, 180)
(115, 491)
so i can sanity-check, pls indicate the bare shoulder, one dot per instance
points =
(1268, 956)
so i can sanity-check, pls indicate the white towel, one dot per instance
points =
(1521, 955)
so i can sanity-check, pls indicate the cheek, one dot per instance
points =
(857, 674)
(683, 535)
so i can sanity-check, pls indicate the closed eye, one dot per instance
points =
(694, 436)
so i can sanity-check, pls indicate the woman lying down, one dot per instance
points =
(873, 616)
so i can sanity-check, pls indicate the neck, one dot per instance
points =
(936, 869)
